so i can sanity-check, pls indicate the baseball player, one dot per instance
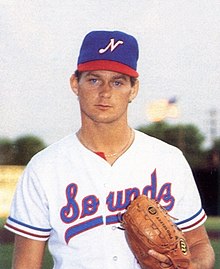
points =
(71, 194)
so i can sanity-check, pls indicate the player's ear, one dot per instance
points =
(74, 83)
(134, 91)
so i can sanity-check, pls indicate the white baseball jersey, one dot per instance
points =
(71, 197)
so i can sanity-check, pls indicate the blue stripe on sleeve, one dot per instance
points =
(186, 220)
(29, 226)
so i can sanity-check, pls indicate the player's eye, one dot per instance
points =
(93, 81)
(117, 83)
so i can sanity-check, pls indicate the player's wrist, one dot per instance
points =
(192, 265)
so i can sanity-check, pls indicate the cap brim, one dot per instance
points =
(107, 65)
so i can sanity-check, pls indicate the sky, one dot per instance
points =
(179, 43)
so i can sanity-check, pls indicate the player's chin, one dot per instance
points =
(104, 120)
(106, 115)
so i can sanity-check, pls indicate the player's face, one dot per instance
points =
(104, 95)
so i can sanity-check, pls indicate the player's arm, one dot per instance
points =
(201, 251)
(28, 253)
(202, 254)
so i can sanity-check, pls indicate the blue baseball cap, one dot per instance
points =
(109, 50)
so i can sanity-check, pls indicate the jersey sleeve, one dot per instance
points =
(29, 215)
(189, 210)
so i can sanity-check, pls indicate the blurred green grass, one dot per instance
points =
(6, 251)
(2, 222)
(213, 224)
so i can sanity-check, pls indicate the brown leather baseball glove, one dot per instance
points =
(148, 226)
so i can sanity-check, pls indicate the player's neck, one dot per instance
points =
(111, 141)
(105, 133)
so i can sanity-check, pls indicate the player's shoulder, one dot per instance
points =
(57, 150)
(154, 144)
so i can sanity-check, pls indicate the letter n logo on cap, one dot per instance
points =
(112, 45)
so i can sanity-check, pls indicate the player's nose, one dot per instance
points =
(106, 90)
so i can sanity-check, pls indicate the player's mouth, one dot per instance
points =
(103, 106)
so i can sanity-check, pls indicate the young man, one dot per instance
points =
(72, 192)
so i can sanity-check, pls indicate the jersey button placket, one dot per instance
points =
(106, 185)
(115, 258)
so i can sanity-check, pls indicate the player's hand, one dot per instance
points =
(163, 259)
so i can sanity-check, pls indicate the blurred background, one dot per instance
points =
(179, 67)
